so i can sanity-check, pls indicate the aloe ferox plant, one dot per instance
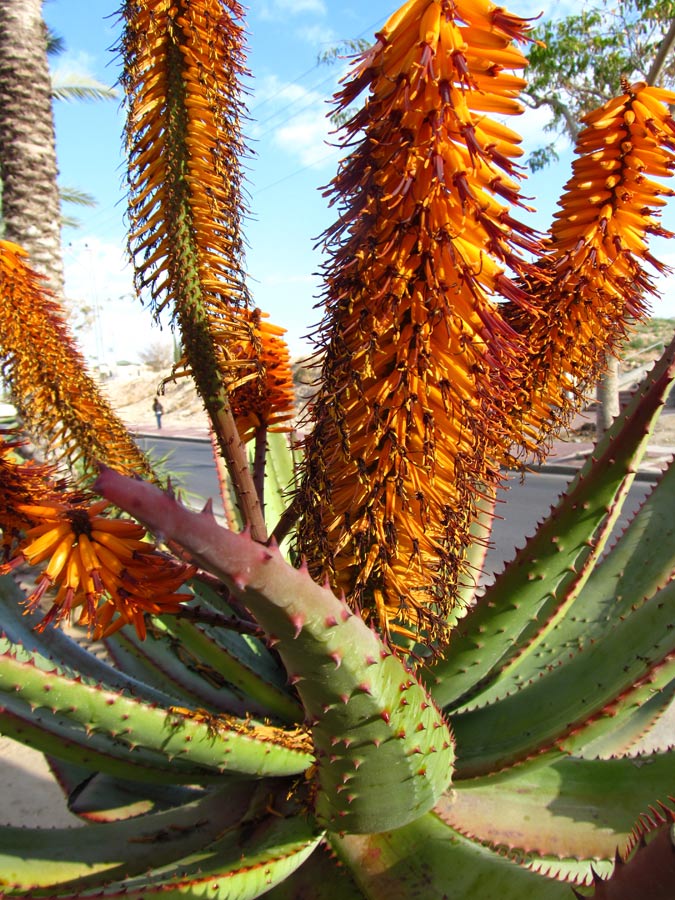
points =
(316, 698)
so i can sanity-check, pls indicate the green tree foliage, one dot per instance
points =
(582, 58)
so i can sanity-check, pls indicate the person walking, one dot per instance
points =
(158, 410)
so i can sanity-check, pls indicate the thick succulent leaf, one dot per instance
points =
(214, 746)
(239, 661)
(384, 752)
(431, 860)
(629, 720)
(641, 562)
(650, 872)
(564, 699)
(152, 662)
(280, 477)
(322, 877)
(245, 863)
(161, 660)
(64, 859)
(97, 797)
(537, 587)
(560, 807)
(19, 625)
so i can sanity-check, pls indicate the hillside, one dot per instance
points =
(132, 393)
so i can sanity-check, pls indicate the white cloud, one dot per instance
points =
(295, 120)
(99, 278)
(279, 9)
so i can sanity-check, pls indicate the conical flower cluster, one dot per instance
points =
(595, 284)
(183, 64)
(57, 400)
(418, 360)
(260, 398)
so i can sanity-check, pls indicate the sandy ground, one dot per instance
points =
(29, 796)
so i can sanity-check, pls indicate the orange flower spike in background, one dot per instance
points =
(184, 62)
(54, 394)
(598, 285)
(267, 398)
(419, 362)
(100, 566)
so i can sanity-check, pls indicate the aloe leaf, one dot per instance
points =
(629, 721)
(62, 650)
(384, 752)
(650, 871)
(429, 859)
(249, 859)
(54, 735)
(535, 590)
(64, 859)
(563, 807)
(321, 877)
(237, 662)
(642, 561)
(161, 659)
(280, 475)
(564, 699)
(218, 746)
(98, 797)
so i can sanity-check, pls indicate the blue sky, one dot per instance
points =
(291, 160)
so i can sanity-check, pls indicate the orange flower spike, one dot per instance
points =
(183, 64)
(41, 361)
(599, 244)
(419, 364)
(268, 400)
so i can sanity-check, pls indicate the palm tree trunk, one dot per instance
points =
(28, 170)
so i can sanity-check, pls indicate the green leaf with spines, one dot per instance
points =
(560, 807)
(226, 745)
(63, 860)
(250, 858)
(361, 702)
(639, 563)
(430, 860)
(240, 662)
(553, 709)
(535, 590)
(97, 797)
(19, 626)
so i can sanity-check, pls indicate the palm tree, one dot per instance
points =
(28, 169)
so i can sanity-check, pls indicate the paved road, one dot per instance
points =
(521, 506)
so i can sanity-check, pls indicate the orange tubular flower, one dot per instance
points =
(419, 362)
(55, 397)
(596, 283)
(101, 566)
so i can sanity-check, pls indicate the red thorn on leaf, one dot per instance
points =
(207, 509)
(337, 659)
(297, 622)
(330, 622)
(239, 581)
